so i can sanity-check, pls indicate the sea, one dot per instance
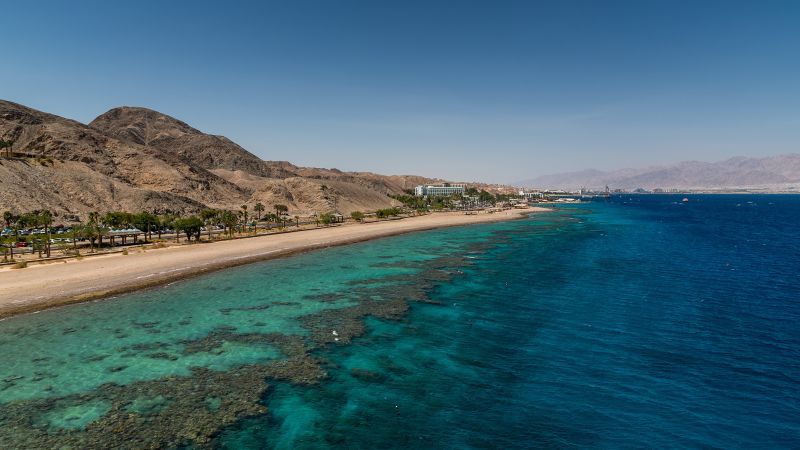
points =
(636, 321)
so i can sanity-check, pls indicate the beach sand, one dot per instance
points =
(41, 286)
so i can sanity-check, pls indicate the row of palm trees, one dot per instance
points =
(279, 217)
(98, 227)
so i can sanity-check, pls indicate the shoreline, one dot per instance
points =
(46, 286)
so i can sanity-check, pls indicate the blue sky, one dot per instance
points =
(467, 90)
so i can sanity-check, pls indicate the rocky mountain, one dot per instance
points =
(775, 173)
(139, 159)
(152, 129)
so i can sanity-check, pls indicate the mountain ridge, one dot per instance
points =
(778, 173)
(133, 158)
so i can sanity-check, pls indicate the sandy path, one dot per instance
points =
(41, 286)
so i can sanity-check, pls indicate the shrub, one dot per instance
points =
(20, 265)
(388, 212)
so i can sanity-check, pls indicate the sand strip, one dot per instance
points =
(43, 286)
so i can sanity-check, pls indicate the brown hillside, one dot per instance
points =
(139, 159)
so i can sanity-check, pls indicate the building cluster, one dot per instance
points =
(439, 190)
(529, 195)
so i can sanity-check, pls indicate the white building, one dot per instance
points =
(441, 190)
(530, 194)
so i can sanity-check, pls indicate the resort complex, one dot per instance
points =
(441, 190)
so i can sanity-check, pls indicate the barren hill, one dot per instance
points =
(155, 130)
(139, 159)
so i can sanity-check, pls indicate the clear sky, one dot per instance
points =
(467, 90)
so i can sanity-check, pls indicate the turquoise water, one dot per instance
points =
(636, 322)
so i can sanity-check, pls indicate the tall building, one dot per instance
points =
(441, 190)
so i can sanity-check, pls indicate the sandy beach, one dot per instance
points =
(42, 286)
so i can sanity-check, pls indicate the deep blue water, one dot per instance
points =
(633, 322)
(641, 322)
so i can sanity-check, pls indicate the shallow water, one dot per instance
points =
(635, 322)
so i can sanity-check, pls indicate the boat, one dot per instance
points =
(685, 200)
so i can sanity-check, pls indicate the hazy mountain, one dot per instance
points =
(139, 159)
(771, 173)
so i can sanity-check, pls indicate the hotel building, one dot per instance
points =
(442, 190)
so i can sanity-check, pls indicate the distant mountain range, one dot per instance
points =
(135, 159)
(775, 173)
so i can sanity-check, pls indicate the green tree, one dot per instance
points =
(229, 221)
(259, 208)
(11, 222)
(88, 230)
(326, 219)
(5, 243)
(8, 218)
(117, 219)
(7, 146)
(94, 231)
(145, 222)
(161, 224)
(280, 210)
(358, 216)
(209, 216)
(46, 219)
(243, 214)
(168, 222)
(191, 226)
(32, 220)
(388, 212)
(486, 197)
(75, 232)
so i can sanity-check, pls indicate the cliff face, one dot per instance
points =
(139, 159)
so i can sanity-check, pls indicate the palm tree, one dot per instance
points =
(159, 221)
(3, 241)
(279, 209)
(145, 221)
(74, 232)
(228, 220)
(259, 208)
(209, 216)
(170, 221)
(91, 229)
(165, 221)
(46, 219)
(8, 217)
(32, 220)
(6, 145)
(11, 222)
(244, 218)
(297, 221)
